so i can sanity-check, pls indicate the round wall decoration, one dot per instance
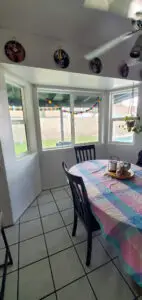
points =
(96, 65)
(124, 70)
(14, 51)
(61, 58)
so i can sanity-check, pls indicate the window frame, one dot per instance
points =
(24, 121)
(72, 93)
(112, 119)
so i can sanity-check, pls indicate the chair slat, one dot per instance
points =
(84, 153)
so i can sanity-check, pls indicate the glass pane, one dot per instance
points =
(120, 133)
(19, 136)
(124, 104)
(86, 123)
(55, 124)
(50, 128)
(17, 116)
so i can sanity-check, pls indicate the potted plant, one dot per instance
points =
(132, 123)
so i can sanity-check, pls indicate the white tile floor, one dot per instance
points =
(50, 264)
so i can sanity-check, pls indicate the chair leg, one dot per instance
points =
(89, 248)
(74, 224)
(10, 262)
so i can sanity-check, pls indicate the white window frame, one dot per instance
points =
(112, 119)
(72, 93)
(24, 121)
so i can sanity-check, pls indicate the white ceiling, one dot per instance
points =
(65, 79)
(62, 19)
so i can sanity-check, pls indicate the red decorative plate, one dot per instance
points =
(14, 51)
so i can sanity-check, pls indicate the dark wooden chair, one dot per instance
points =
(139, 161)
(86, 152)
(82, 209)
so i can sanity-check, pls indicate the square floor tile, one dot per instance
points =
(58, 240)
(35, 281)
(78, 290)
(98, 257)
(48, 209)
(32, 250)
(30, 214)
(109, 284)
(81, 233)
(111, 250)
(51, 297)
(45, 198)
(11, 234)
(64, 203)
(59, 194)
(66, 267)
(14, 254)
(30, 229)
(52, 222)
(68, 216)
(118, 264)
(34, 203)
(11, 286)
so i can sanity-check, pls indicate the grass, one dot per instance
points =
(22, 148)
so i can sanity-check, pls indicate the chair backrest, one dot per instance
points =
(80, 197)
(86, 152)
(139, 162)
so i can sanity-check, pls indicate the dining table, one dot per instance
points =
(117, 206)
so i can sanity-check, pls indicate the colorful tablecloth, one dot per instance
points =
(117, 205)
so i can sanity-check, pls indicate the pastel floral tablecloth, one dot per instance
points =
(117, 205)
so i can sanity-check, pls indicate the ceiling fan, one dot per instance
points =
(127, 8)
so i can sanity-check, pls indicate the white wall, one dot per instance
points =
(128, 152)
(23, 174)
(52, 174)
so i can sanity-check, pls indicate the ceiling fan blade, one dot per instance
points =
(109, 45)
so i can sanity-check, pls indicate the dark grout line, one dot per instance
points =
(59, 289)
(45, 215)
(23, 222)
(77, 255)
(47, 253)
(124, 279)
(55, 188)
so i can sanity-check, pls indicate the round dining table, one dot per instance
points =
(117, 206)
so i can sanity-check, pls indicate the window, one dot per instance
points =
(86, 123)
(54, 120)
(15, 95)
(123, 104)
(66, 119)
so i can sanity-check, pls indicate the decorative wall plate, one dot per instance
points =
(14, 51)
(96, 65)
(124, 70)
(61, 58)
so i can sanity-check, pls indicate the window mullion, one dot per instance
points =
(72, 119)
(62, 125)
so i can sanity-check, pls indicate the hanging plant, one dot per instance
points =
(133, 124)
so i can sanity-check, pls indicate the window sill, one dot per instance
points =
(70, 147)
(25, 155)
(121, 144)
